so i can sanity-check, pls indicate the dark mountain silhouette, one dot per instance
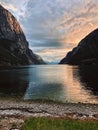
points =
(14, 48)
(85, 53)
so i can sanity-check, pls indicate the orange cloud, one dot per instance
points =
(53, 54)
(77, 24)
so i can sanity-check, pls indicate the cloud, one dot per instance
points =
(48, 19)
(52, 54)
(81, 22)
(17, 8)
(54, 24)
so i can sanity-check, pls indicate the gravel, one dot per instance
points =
(35, 108)
(13, 112)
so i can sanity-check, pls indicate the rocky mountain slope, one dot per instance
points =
(85, 53)
(14, 48)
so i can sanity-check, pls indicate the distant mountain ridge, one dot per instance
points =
(85, 53)
(14, 48)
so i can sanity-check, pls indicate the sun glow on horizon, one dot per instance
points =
(47, 25)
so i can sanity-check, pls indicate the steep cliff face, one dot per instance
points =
(85, 53)
(14, 48)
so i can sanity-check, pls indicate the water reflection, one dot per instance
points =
(89, 77)
(51, 82)
(86, 79)
(44, 83)
(13, 82)
(74, 88)
(59, 83)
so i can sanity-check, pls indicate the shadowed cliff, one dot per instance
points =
(85, 53)
(14, 48)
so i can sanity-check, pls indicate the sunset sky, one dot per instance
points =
(54, 27)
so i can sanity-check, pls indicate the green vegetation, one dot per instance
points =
(44, 123)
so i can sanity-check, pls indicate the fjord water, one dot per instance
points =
(60, 83)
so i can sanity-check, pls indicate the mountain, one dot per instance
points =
(14, 48)
(85, 53)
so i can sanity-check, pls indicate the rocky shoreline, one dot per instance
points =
(14, 113)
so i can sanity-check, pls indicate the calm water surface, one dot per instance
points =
(50, 82)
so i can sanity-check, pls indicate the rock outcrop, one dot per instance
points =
(14, 48)
(85, 53)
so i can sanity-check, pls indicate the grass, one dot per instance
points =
(44, 123)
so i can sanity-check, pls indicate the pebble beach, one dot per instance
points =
(13, 113)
